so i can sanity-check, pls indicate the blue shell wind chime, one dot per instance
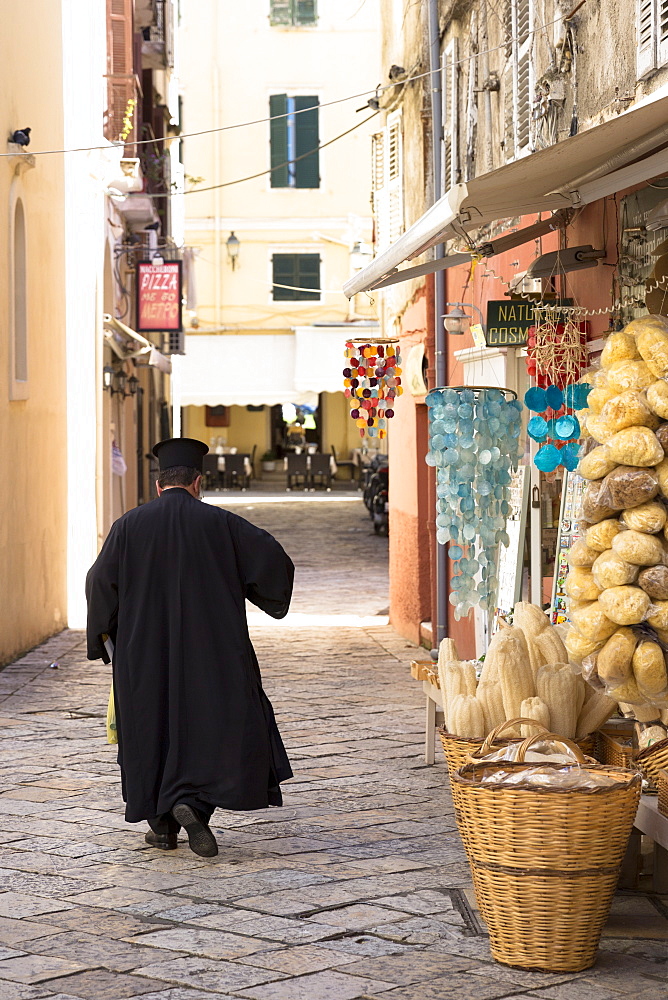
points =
(555, 426)
(474, 445)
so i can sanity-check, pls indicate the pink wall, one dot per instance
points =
(410, 565)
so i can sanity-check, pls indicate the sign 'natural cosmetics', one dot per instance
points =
(158, 296)
(508, 322)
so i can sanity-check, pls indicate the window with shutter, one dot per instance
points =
(518, 82)
(121, 87)
(646, 52)
(450, 88)
(662, 32)
(292, 12)
(296, 277)
(294, 139)
(395, 179)
(387, 183)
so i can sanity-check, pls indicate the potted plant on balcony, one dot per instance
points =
(269, 461)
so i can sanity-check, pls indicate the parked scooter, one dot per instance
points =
(376, 494)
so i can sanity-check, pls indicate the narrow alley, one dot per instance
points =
(357, 888)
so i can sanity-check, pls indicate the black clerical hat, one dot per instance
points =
(180, 451)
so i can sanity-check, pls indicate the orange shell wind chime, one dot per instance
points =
(372, 381)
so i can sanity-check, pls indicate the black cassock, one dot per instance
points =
(169, 587)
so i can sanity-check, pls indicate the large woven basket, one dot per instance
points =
(545, 861)
(653, 759)
(459, 750)
(663, 791)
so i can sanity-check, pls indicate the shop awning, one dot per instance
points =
(264, 368)
(126, 343)
(621, 152)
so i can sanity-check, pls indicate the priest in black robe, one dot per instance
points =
(195, 728)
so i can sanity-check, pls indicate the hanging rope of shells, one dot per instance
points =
(372, 381)
(474, 444)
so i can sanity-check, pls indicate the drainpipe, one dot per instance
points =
(441, 361)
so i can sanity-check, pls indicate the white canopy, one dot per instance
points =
(621, 152)
(258, 369)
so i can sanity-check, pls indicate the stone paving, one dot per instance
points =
(357, 889)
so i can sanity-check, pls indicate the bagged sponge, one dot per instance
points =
(581, 585)
(635, 446)
(647, 517)
(625, 605)
(610, 570)
(629, 375)
(638, 548)
(619, 346)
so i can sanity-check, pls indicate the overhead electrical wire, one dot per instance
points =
(259, 121)
(263, 173)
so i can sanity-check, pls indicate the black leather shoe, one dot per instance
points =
(200, 838)
(163, 841)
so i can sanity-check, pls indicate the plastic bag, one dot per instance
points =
(592, 622)
(564, 778)
(628, 409)
(629, 374)
(581, 585)
(594, 507)
(635, 446)
(580, 554)
(630, 667)
(552, 750)
(600, 393)
(597, 463)
(600, 536)
(647, 517)
(619, 346)
(653, 348)
(638, 548)
(657, 399)
(654, 581)
(626, 605)
(628, 486)
(610, 570)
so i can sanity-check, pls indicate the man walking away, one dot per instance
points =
(195, 729)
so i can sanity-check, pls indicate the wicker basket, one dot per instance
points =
(662, 782)
(611, 751)
(459, 750)
(545, 862)
(652, 760)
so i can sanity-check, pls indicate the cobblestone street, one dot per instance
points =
(357, 888)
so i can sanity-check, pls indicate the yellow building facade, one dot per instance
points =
(33, 427)
(272, 252)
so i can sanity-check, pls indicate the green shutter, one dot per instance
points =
(305, 12)
(284, 272)
(308, 275)
(278, 105)
(307, 170)
(280, 12)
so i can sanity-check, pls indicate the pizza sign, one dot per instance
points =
(158, 296)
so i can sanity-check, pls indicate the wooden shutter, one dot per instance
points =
(305, 12)
(278, 140)
(307, 171)
(280, 12)
(284, 272)
(308, 276)
(378, 191)
(387, 183)
(518, 82)
(120, 68)
(646, 38)
(394, 176)
(524, 72)
(450, 89)
(662, 32)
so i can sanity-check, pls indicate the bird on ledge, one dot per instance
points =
(21, 137)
